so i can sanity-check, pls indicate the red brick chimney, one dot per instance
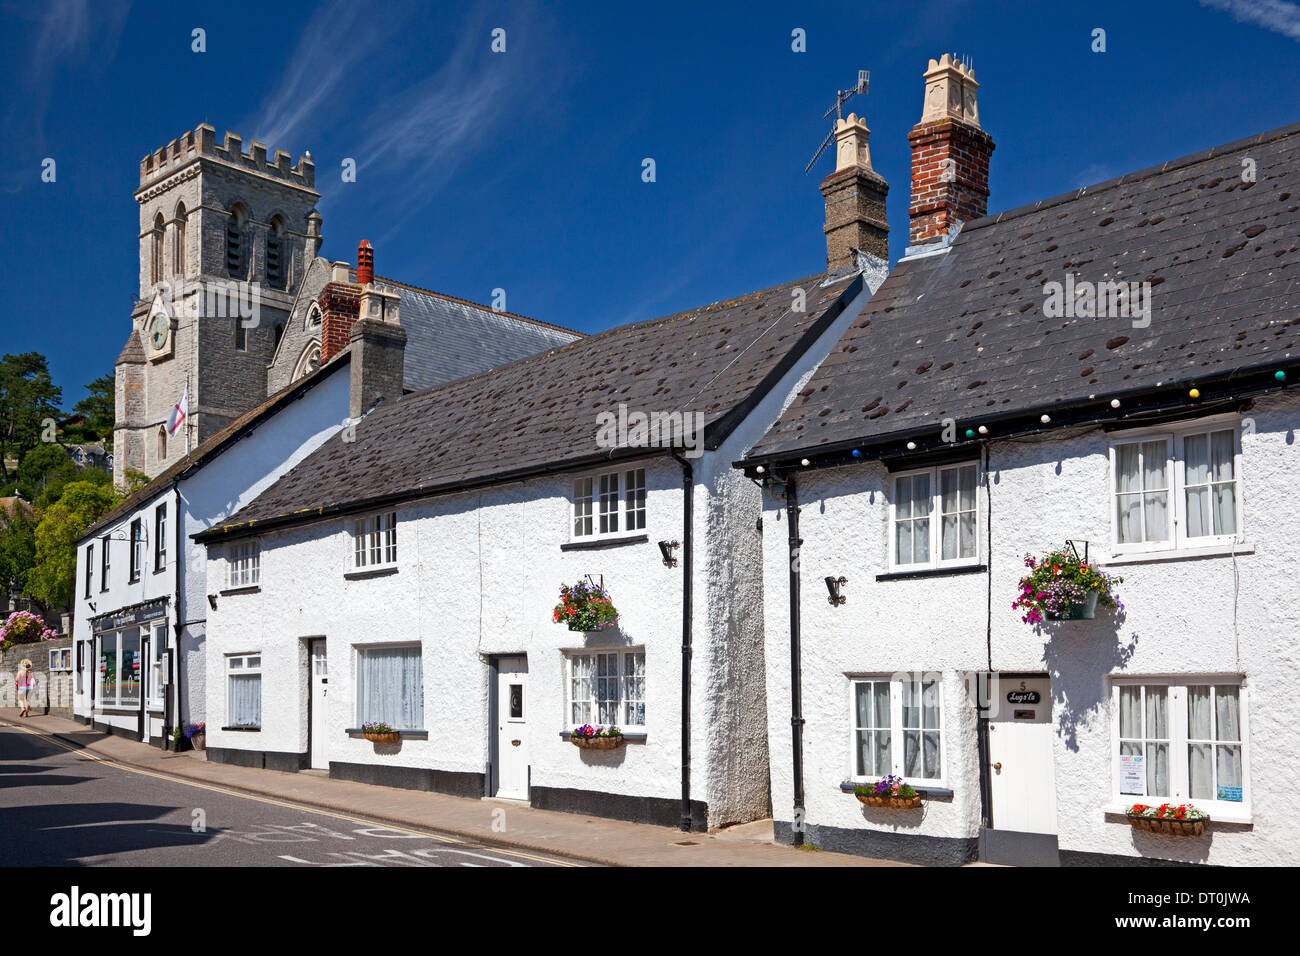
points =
(340, 304)
(950, 154)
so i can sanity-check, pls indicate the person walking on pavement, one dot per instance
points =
(25, 683)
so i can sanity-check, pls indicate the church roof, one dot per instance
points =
(542, 413)
(449, 338)
(965, 334)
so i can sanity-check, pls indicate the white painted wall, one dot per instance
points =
(479, 575)
(222, 485)
(1180, 620)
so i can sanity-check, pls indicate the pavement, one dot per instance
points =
(484, 822)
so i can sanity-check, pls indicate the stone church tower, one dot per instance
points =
(226, 238)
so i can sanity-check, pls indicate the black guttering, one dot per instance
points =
(1135, 404)
(715, 433)
(688, 566)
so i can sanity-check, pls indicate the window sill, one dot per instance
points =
(923, 791)
(638, 736)
(134, 580)
(933, 572)
(1220, 816)
(161, 568)
(369, 573)
(404, 734)
(1177, 554)
(249, 589)
(243, 729)
(610, 542)
(118, 711)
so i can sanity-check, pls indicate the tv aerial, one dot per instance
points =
(841, 97)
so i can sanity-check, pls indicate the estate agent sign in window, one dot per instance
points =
(1182, 740)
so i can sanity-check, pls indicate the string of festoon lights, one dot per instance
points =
(983, 430)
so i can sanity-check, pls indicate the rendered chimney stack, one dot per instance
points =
(378, 344)
(950, 154)
(855, 200)
(365, 263)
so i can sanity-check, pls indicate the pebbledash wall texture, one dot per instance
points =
(1213, 616)
(478, 575)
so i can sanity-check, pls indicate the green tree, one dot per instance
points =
(17, 551)
(100, 409)
(52, 579)
(27, 397)
(45, 466)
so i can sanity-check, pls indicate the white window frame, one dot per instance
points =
(244, 564)
(1175, 436)
(157, 662)
(1226, 810)
(372, 541)
(135, 532)
(242, 665)
(936, 517)
(623, 655)
(60, 659)
(591, 494)
(114, 639)
(896, 751)
(359, 652)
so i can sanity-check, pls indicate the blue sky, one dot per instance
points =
(522, 170)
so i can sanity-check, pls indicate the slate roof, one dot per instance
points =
(217, 443)
(449, 338)
(964, 334)
(540, 414)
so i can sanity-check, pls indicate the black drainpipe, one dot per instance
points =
(796, 666)
(176, 648)
(688, 554)
(984, 707)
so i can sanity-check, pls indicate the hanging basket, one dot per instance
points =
(892, 803)
(1168, 826)
(392, 738)
(575, 626)
(1086, 611)
(597, 743)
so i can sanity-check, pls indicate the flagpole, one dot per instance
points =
(187, 414)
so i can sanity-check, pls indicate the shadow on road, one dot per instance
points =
(47, 835)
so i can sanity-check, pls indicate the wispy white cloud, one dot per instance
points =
(413, 130)
(62, 34)
(1276, 15)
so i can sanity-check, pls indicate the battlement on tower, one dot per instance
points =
(202, 141)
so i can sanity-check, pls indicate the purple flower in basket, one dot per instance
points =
(193, 730)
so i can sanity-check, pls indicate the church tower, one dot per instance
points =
(226, 237)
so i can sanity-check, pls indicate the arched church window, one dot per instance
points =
(309, 362)
(236, 224)
(279, 334)
(156, 254)
(275, 253)
(178, 254)
(313, 317)
(162, 443)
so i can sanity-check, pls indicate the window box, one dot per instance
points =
(890, 792)
(380, 733)
(588, 737)
(1156, 821)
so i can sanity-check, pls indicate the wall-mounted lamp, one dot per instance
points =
(833, 585)
(212, 601)
(666, 548)
(91, 605)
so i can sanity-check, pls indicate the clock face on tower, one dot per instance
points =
(158, 329)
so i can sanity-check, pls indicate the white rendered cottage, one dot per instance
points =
(966, 421)
(141, 594)
(409, 575)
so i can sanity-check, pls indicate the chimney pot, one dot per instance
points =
(365, 263)
(855, 200)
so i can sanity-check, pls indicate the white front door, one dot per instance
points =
(512, 727)
(1020, 754)
(319, 691)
